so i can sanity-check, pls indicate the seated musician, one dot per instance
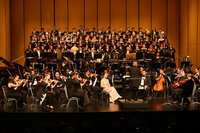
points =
(160, 82)
(15, 90)
(108, 89)
(74, 89)
(197, 76)
(59, 88)
(49, 90)
(90, 85)
(185, 89)
(144, 86)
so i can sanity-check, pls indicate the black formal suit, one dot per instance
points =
(135, 73)
(134, 83)
(143, 93)
(187, 88)
(74, 91)
(184, 91)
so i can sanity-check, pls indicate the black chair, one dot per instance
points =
(8, 100)
(104, 96)
(69, 100)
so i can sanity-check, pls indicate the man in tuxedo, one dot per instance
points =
(134, 82)
(144, 87)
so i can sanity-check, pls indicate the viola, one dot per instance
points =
(159, 85)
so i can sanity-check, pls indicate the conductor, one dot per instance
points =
(134, 82)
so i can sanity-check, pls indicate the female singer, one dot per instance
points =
(111, 90)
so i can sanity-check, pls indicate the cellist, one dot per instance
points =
(159, 86)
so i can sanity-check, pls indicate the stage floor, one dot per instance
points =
(123, 117)
(121, 106)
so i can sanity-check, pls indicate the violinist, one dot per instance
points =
(59, 88)
(15, 90)
(90, 84)
(50, 91)
(74, 89)
(185, 89)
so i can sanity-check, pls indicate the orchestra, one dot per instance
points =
(87, 63)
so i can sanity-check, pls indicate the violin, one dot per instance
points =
(177, 84)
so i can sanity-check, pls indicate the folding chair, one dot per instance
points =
(8, 100)
(69, 100)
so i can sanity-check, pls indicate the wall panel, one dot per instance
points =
(17, 30)
(3, 30)
(7, 26)
(76, 13)
(145, 14)
(173, 25)
(47, 14)
(61, 14)
(32, 18)
(183, 27)
(118, 14)
(132, 14)
(192, 39)
(103, 13)
(159, 14)
(198, 33)
(90, 14)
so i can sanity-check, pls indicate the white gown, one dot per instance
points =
(108, 89)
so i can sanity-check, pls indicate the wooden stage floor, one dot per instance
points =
(132, 116)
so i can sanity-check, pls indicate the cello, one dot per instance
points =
(159, 85)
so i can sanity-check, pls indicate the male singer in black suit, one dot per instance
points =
(134, 82)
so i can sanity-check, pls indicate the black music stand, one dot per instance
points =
(185, 64)
(97, 56)
(39, 67)
(52, 66)
(79, 56)
(171, 64)
(69, 55)
(157, 66)
(115, 66)
(47, 55)
(139, 55)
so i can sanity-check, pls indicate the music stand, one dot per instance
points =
(131, 56)
(139, 55)
(171, 64)
(52, 65)
(97, 56)
(185, 64)
(157, 66)
(115, 66)
(69, 55)
(79, 56)
(46, 55)
(39, 66)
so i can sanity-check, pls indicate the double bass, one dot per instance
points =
(159, 85)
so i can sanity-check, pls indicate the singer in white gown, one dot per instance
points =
(108, 89)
